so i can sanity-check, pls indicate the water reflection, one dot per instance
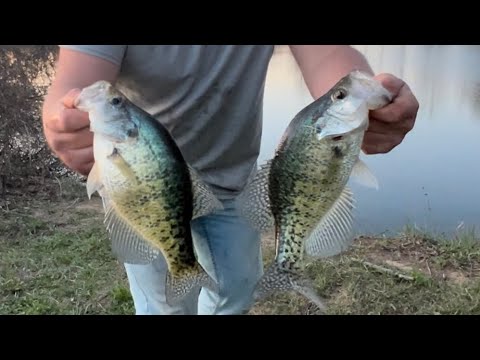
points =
(431, 180)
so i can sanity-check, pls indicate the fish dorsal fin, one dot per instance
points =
(333, 234)
(127, 245)
(363, 175)
(204, 200)
(254, 201)
(94, 182)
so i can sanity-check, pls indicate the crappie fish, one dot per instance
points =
(150, 193)
(302, 192)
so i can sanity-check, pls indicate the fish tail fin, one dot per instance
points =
(276, 280)
(178, 287)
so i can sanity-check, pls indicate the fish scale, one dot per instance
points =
(302, 192)
(312, 172)
(150, 193)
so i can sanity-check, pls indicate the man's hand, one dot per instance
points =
(68, 135)
(323, 65)
(66, 128)
(389, 125)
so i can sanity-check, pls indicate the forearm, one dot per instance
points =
(75, 70)
(52, 104)
(323, 65)
(66, 128)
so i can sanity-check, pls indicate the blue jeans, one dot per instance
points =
(230, 252)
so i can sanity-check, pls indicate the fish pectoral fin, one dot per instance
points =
(204, 200)
(177, 288)
(94, 182)
(117, 159)
(363, 175)
(254, 201)
(127, 245)
(333, 234)
(276, 280)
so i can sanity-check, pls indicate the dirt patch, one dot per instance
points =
(57, 260)
(407, 274)
(95, 204)
(399, 265)
(456, 277)
(421, 254)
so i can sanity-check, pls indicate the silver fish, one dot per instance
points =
(150, 193)
(302, 192)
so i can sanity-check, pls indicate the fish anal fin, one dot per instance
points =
(127, 245)
(178, 287)
(333, 233)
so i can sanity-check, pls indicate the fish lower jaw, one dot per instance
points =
(351, 122)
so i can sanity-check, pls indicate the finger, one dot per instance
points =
(391, 83)
(375, 143)
(85, 169)
(379, 126)
(69, 120)
(405, 105)
(69, 99)
(71, 141)
(78, 160)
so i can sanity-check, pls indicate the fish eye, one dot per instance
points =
(339, 94)
(116, 101)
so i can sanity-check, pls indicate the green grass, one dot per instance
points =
(59, 262)
(416, 275)
(55, 259)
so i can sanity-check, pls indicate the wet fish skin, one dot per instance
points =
(150, 193)
(302, 192)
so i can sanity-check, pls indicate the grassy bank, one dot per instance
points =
(55, 259)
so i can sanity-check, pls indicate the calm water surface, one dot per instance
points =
(432, 179)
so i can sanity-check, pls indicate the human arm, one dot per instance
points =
(323, 65)
(66, 129)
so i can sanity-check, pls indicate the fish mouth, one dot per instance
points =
(338, 127)
(108, 116)
(338, 136)
(83, 100)
(376, 94)
(90, 93)
(78, 102)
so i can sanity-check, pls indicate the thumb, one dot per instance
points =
(391, 83)
(69, 99)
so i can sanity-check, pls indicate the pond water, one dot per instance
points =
(432, 179)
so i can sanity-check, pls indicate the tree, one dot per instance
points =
(25, 74)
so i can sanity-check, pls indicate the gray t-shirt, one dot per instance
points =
(210, 97)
